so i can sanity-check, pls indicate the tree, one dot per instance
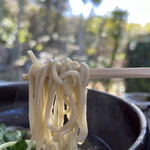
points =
(80, 30)
(94, 2)
(115, 30)
(1, 10)
(19, 26)
(104, 37)
(147, 28)
(133, 29)
(52, 13)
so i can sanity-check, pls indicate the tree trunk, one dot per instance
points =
(1, 11)
(20, 18)
(80, 34)
(47, 17)
(58, 14)
(116, 45)
(114, 52)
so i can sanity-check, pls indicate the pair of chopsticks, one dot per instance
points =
(115, 73)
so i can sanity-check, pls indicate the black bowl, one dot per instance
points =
(119, 123)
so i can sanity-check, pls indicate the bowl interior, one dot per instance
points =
(109, 117)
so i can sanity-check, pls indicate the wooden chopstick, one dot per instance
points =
(115, 73)
(120, 73)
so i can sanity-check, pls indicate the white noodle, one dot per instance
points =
(57, 104)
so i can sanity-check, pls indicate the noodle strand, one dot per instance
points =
(57, 104)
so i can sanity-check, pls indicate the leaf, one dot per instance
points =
(7, 136)
(39, 47)
(2, 126)
(12, 136)
(2, 132)
(91, 51)
(97, 1)
(22, 36)
(93, 25)
(20, 145)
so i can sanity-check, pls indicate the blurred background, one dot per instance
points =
(103, 33)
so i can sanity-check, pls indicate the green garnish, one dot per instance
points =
(12, 140)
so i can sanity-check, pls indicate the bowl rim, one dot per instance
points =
(143, 122)
(128, 97)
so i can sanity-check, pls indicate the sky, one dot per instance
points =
(139, 10)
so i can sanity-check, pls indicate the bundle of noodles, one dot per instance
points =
(57, 104)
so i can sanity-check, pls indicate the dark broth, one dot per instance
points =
(94, 143)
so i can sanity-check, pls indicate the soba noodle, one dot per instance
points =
(57, 103)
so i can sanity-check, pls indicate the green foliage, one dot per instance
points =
(119, 15)
(102, 36)
(8, 31)
(92, 63)
(22, 35)
(95, 2)
(114, 25)
(2, 133)
(39, 47)
(20, 145)
(93, 25)
(147, 28)
(91, 51)
(133, 30)
(8, 136)
(12, 136)
(138, 57)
